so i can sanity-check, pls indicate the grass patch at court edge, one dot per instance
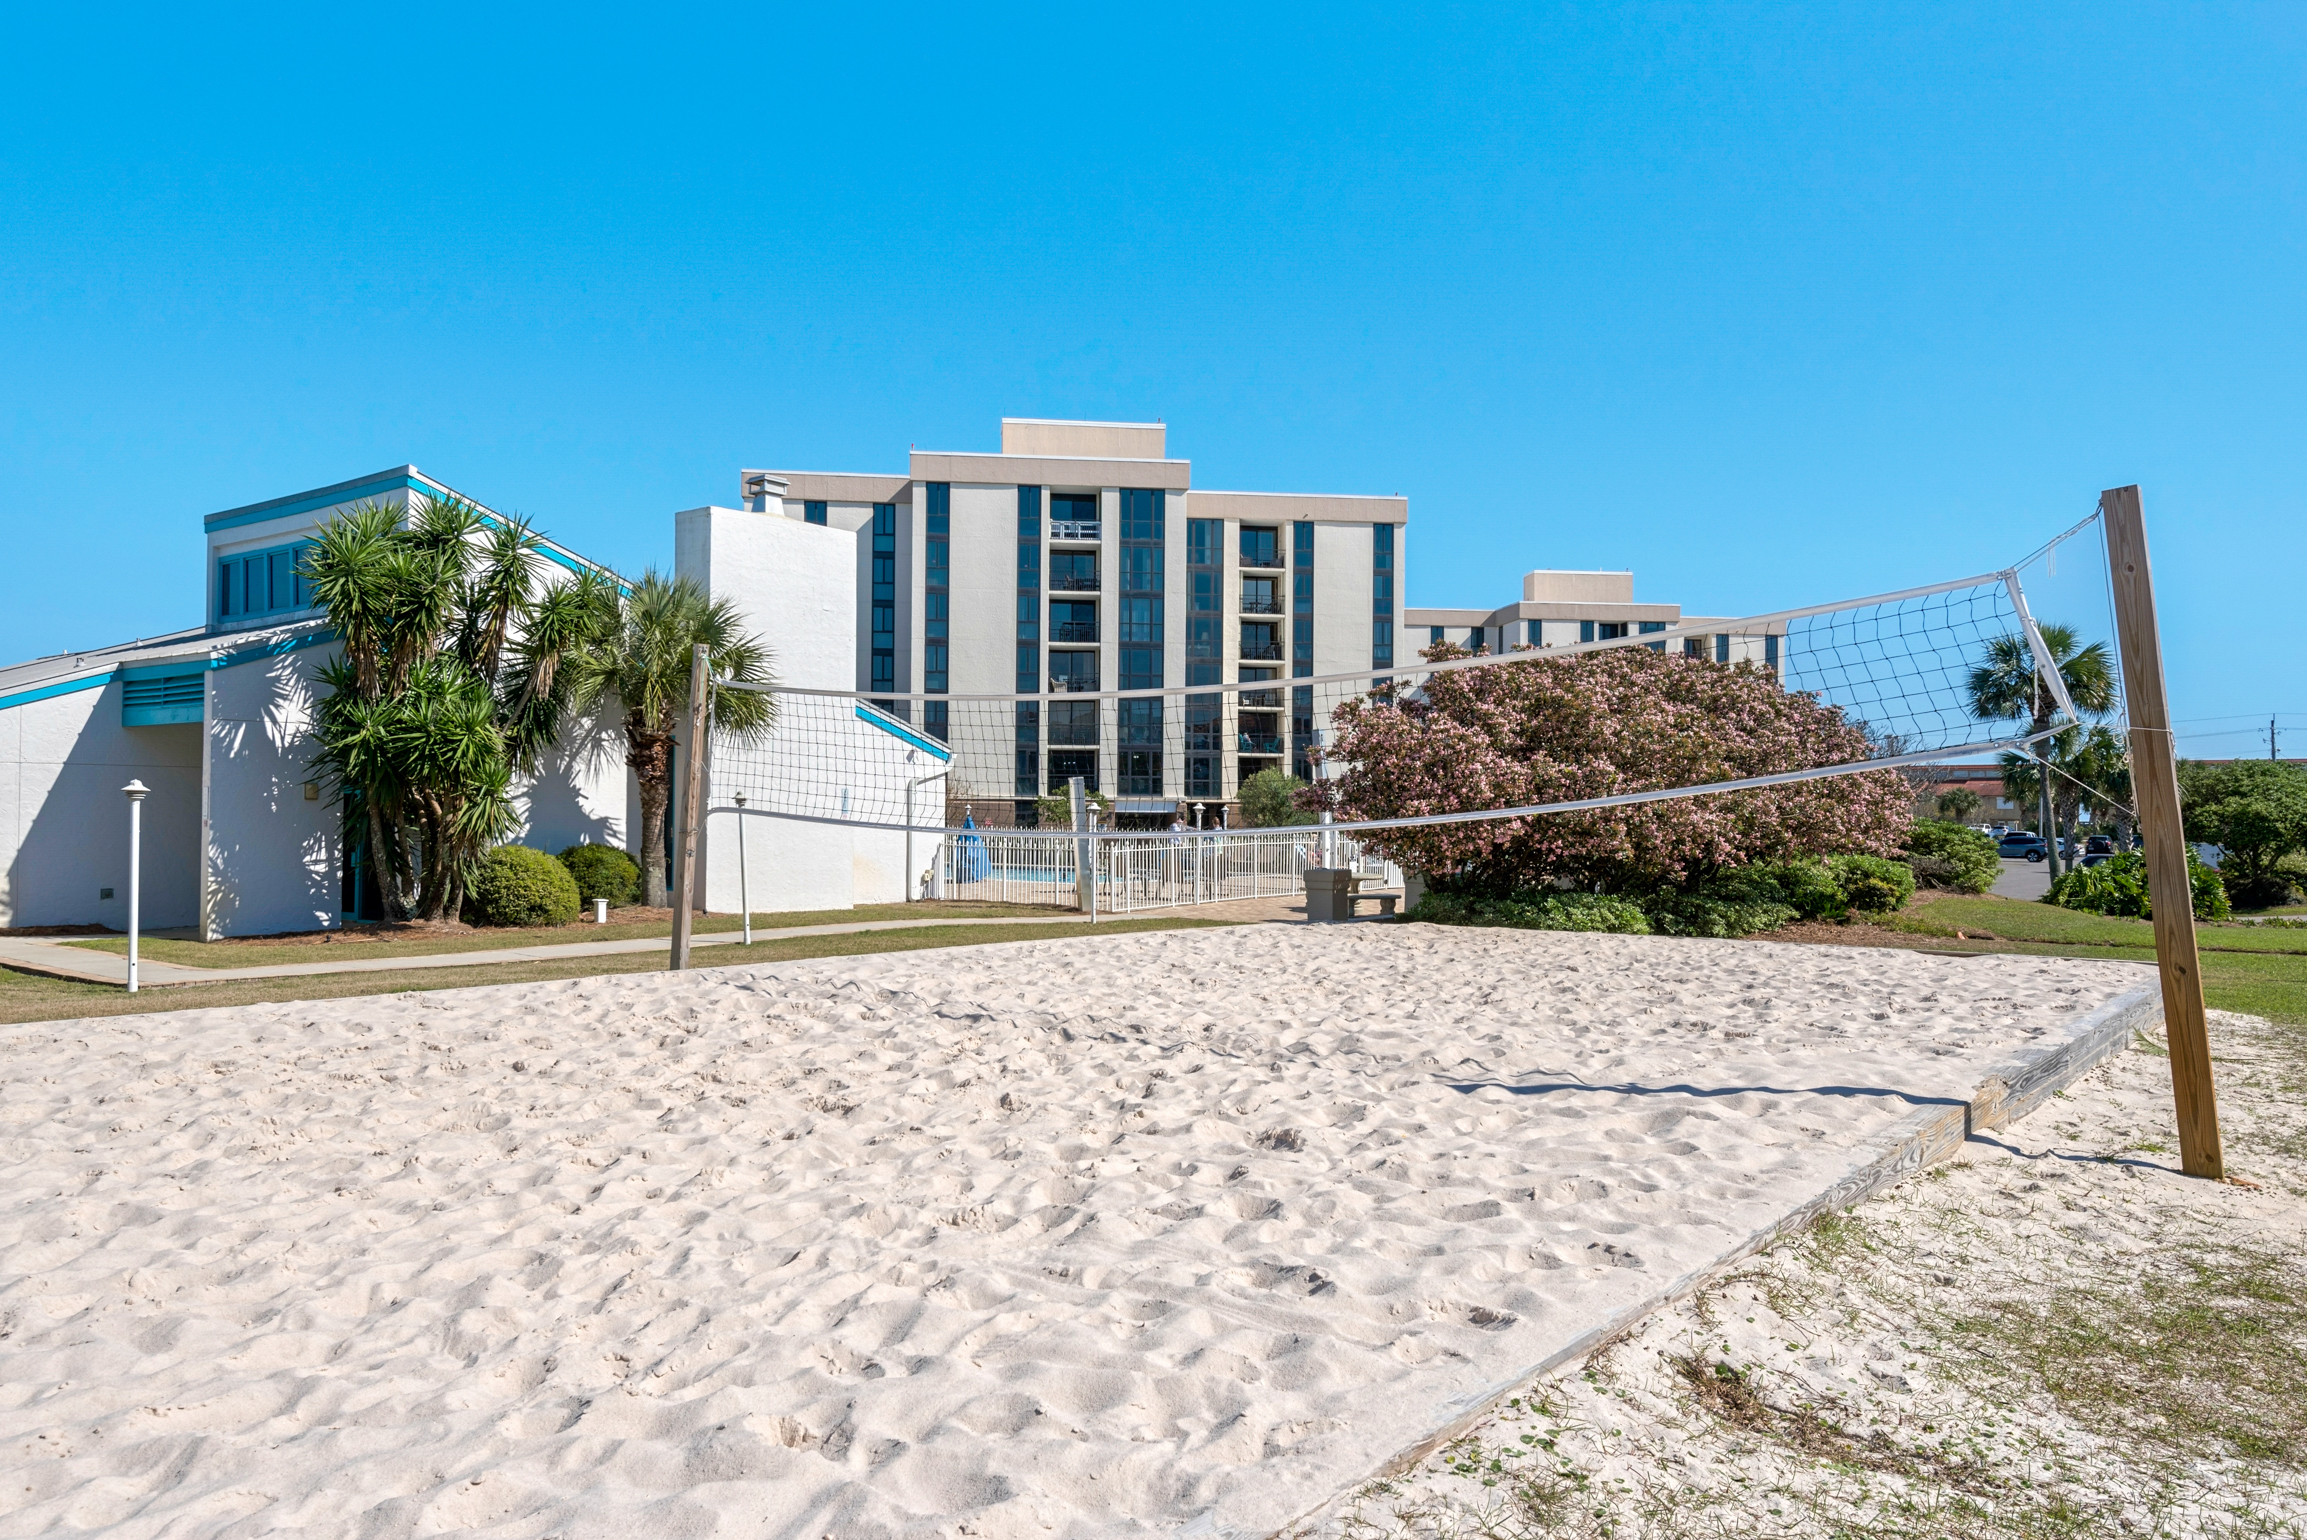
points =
(283, 953)
(2013, 919)
(28, 997)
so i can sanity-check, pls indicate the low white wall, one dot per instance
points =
(64, 823)
(794, 583)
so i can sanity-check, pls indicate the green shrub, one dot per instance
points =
(2119, 887)
(2260, 888)
(602, 871)
(1539, 909)
(1948, 855)
(1871, 884)
(1705, 913)
(1808, 888)
(519, 886)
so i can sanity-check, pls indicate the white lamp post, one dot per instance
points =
(136, 792)
(744, 893)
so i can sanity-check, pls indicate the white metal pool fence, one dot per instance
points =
(1150, 871)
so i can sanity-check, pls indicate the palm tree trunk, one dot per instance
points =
(2048, 825)
(651, 756)
(385, 865)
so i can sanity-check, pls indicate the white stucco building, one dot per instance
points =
(240, 838)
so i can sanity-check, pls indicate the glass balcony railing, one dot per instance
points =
(1076, 529)
(1261, 604)
(1263, 650)
(1261, 743)
(1073, 582)
(1074, 631)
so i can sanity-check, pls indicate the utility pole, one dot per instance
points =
(2270, 737)
(2155, 780)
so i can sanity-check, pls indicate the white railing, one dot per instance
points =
(1137, 872)
(1076, 529)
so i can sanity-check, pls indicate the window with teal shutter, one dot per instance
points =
(258, 583)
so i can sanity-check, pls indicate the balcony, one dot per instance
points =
(1261, 604)
(1262, 651)
(1268, 700)
(1076, 529)
(1260, 743)
(1073, 582)
(1074, 631)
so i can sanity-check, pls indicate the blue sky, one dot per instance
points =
(1771, 303)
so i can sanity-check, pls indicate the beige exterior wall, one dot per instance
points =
(1084, 440)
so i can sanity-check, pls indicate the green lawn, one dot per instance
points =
(2020, 920)
(2246, 968)
(32, 997)
(261, 954)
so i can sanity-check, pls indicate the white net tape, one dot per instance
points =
(1897, 665)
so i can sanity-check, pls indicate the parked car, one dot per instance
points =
(2099, 845)
(2022, 846)
(2096, 858)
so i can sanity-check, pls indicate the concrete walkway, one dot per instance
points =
(51, 955)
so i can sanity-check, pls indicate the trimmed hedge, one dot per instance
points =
(1535, 910)
(602, 871)
(519, 886)
(1948, 855)
(1739, 902)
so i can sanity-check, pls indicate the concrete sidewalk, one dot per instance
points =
(54, 957)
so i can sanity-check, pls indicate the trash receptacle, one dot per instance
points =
(1329, 893)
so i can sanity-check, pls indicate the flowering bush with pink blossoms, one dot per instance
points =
(1594, 725)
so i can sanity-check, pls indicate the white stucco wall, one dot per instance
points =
(794, 585)
(64, 823)
(274, 858)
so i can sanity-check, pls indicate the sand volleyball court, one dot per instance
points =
(1172, 1232)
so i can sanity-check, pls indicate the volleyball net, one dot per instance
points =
(1898, 669)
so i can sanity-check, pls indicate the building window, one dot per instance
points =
(1434, 636)
(1381, 596)
(1141, 594)
(936, 626)
(1302, 598)
(1072, 620)
(1073, 724)
(1261, 546)
(1028, 782)
(1649, 626)
(1533, 632)
(1262, 639)
(813, 512)
(1205, 662)
(884, 633)
(1770, 652)
(1073, 572)
(1072, 671)
(1028, 602)
(1139, 741)
(262, 583)
(1259, 596)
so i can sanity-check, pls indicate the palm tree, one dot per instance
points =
(447, 682)
(641, 664)
(2005, 686)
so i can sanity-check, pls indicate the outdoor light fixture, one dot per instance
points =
(135, 792)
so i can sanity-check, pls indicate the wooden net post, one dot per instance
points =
(2155, 782)
(692, 810)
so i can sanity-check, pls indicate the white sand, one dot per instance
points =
(1884, 1328)
(1124, 1235)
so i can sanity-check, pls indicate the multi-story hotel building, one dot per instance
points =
(1562, 609)
(1079, 559)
